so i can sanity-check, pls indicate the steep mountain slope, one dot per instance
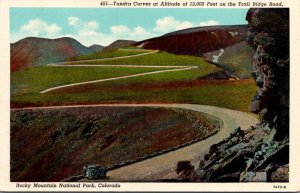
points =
(223, 45)
(235, 59)
(34, 51)
(197, 41)
(118, 44)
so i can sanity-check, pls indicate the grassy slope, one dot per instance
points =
(112, 54)
(36, 79)
(161, 58)
(174, 87)
(238, 59)
(228, 94)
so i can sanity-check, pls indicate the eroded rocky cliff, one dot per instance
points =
(269, 34)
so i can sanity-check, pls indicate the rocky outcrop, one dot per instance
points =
(269, 35)
(245, 156)
(261, 153)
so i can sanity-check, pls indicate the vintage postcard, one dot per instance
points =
(149, 95)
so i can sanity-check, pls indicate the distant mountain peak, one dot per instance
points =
(96, 48)
(118, 44)
(35, 51)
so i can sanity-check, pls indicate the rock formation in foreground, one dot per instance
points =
(261, 153)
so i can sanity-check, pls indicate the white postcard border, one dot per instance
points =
(294, 183)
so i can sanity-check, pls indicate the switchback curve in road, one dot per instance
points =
(81, 64)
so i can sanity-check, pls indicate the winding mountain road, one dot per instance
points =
(163, 166)
(81, 64)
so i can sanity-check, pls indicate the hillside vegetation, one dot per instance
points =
(34, 80)
(160, 58)
(184, 86)
(236, 59)
(110, 54)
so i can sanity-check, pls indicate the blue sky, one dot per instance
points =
(103, 26)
